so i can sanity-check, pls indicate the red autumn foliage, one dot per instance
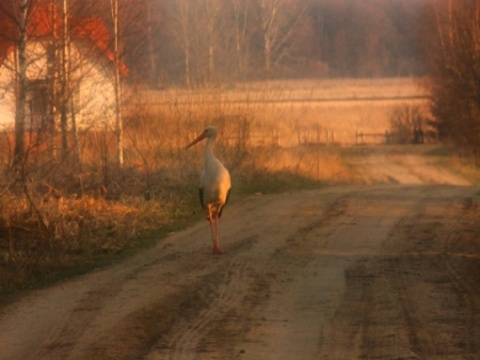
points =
(45, 21)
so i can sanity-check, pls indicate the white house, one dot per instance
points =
(90, 76)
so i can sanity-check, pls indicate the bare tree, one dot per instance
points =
(150, 42)
(279, 20)
(453, 51)
(241, 13)
(64, 76)
(181, 19)
(21, 93)
(117, 83)
(407, 123)
(211, 11)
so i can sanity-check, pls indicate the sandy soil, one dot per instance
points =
(384, 271)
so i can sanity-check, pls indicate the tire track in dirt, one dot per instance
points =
(468, 292)
(449, 309)
(416, 307)
(401, 302)
(189, 334)
(242, 288)
(315, 258)
(422, 341)
(357, 328)
(462, 265)
(244, 264)
(152, 322)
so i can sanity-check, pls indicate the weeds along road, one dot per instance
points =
(385, 271)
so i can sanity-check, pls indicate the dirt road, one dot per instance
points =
(384, 271)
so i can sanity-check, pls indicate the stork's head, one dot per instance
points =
(210, 132)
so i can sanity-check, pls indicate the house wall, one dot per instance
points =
(91, 78)
(7, 99)
(94, 98)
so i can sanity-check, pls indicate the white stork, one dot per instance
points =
(214, 186)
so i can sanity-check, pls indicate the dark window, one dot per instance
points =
(38, 105)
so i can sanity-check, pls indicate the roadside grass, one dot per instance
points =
(441, 155)
(82, 234)
(457, 162)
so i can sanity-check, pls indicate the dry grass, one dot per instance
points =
(311, 110)
(57, 218)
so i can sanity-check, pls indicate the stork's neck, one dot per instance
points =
(209, 150)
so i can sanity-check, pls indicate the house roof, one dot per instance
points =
(45, 21)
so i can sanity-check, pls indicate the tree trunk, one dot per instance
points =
(64, 78)
(241, 13)
(117, 84)
(184, 20)
(21, 93)
(150, 47)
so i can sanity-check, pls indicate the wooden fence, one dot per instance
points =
(390, 137)
(369, 138)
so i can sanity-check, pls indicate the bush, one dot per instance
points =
(407, 124)
(451, 52)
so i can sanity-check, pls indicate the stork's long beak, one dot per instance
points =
(199, 138)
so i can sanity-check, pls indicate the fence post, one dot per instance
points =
(359, 135)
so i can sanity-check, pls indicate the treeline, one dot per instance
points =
(451, 47)
(217, 40)
(193, 43)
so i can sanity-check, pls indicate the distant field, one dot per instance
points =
(336, 90)
(307, 111)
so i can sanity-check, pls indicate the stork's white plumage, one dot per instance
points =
(214, 186)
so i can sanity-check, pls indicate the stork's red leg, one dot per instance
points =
(213, 220)
(216, 250)
(216, 247)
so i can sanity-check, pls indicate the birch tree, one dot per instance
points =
(64, 76)
(21, 73)
(181, 20)
(150, 43)
(117, 83)
(279, 20)
(212, 10)
(241, 14)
